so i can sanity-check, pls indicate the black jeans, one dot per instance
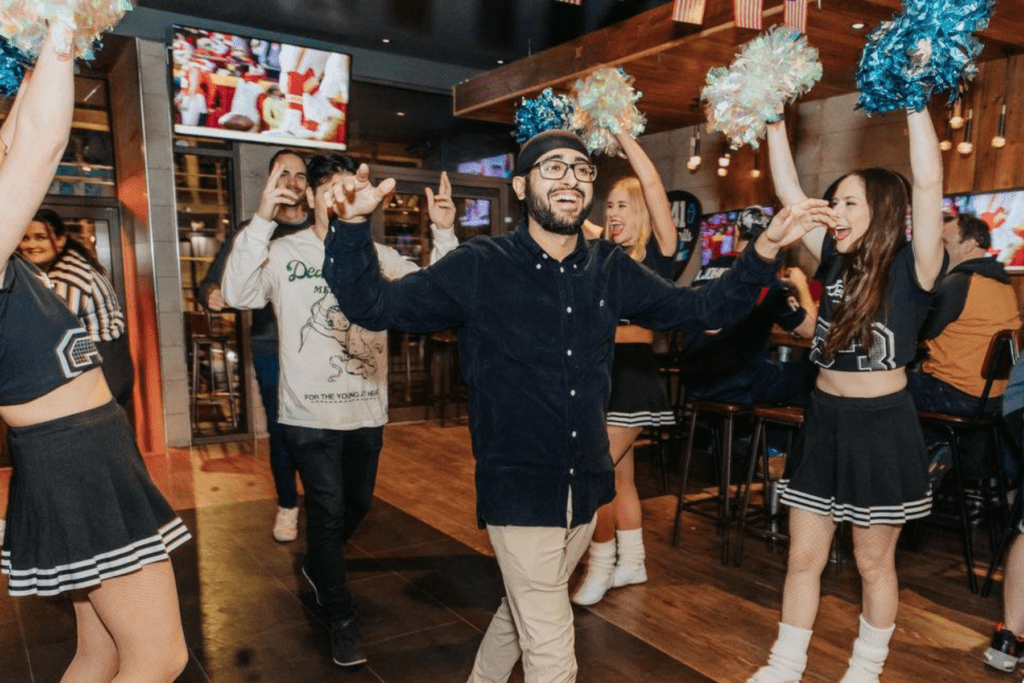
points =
(282, 464)
(338, 470)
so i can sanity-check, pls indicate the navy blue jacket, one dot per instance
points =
(535, 343)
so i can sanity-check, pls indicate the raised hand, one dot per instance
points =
(354, 197)
(440, 206)
(273, 196)
(792, 223)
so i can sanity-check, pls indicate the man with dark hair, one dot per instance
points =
(290, 216)
(536, 310)
(972, 302)
(334, 380)
(732, 364)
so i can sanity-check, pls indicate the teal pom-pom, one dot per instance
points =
(927, 50)
(547, 111)
(12, 68)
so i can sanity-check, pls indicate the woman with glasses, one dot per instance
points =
(83, 519)
(637, 218)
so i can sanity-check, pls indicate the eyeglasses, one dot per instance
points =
(553, 169)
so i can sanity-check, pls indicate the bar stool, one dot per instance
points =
(721, 448)
(444, 375)
(206, 346)
(792, 419)
(996, 366)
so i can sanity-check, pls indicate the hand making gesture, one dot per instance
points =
(354, 198)
(274, 196)
(792, 223)
(440, 206)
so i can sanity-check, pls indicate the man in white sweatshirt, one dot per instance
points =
(333, 383)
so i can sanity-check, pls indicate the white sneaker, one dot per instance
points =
(286, 526)
(625, 575)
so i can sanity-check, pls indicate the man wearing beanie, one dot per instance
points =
(536, 310)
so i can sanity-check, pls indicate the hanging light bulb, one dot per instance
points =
(956, 121)
(723, 171)
(966, 147)
(999, 141)
(946, 144)
(755, 172)
(694, 163)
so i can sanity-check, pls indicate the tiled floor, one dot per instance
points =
(424, 598)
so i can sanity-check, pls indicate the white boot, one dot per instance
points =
(600, 566)
(629, 568)
(788, 657)
(869, 653)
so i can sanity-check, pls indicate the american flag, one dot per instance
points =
(795, 15)
(748, 13)
(689, 11)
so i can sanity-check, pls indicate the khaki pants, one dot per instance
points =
(534, 620)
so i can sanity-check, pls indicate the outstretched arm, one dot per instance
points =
(662, 225)
(39, 135)
(926, 164)
(786, 180)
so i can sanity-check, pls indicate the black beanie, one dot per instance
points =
(542, 143)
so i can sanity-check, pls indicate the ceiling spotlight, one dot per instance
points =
(857, 25)
(500, 61)
(386, 41)
(399, 113)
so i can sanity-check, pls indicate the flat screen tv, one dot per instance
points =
(1004, 213)
(238, 88)
(718, 232)
(499, 166)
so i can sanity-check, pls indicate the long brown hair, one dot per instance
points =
(867, 267)
(631, 186)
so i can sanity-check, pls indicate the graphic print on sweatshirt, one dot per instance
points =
(359, 350)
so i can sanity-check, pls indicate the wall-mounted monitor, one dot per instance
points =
(1004, 213)
(238, 88)
(718, 234)
(499, 166)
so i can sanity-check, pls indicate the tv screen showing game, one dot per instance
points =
(499, 166)
(238, 88)
(718, 232)
(1004, 213)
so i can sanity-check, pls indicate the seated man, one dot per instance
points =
(973, 302)
(732, 365)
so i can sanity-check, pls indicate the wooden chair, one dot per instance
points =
(1001, 354)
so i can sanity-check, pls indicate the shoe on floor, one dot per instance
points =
(309, 580)
(1005, 651)
(286, 526)
(347, 645)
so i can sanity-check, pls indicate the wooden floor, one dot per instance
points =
(721, 620)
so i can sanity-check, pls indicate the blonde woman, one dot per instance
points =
(638, 219)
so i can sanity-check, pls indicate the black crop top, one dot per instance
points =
(894, 341)
(42, 344)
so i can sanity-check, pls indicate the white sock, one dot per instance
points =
(869, 653)
(788, 657)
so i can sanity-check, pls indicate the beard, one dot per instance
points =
(541, 212)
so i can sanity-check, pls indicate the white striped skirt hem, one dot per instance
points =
(93, 571)
(645, 418)
(899, 513)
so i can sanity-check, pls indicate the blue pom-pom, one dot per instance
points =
(12, 68)
(928, 49)
(547, 111)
